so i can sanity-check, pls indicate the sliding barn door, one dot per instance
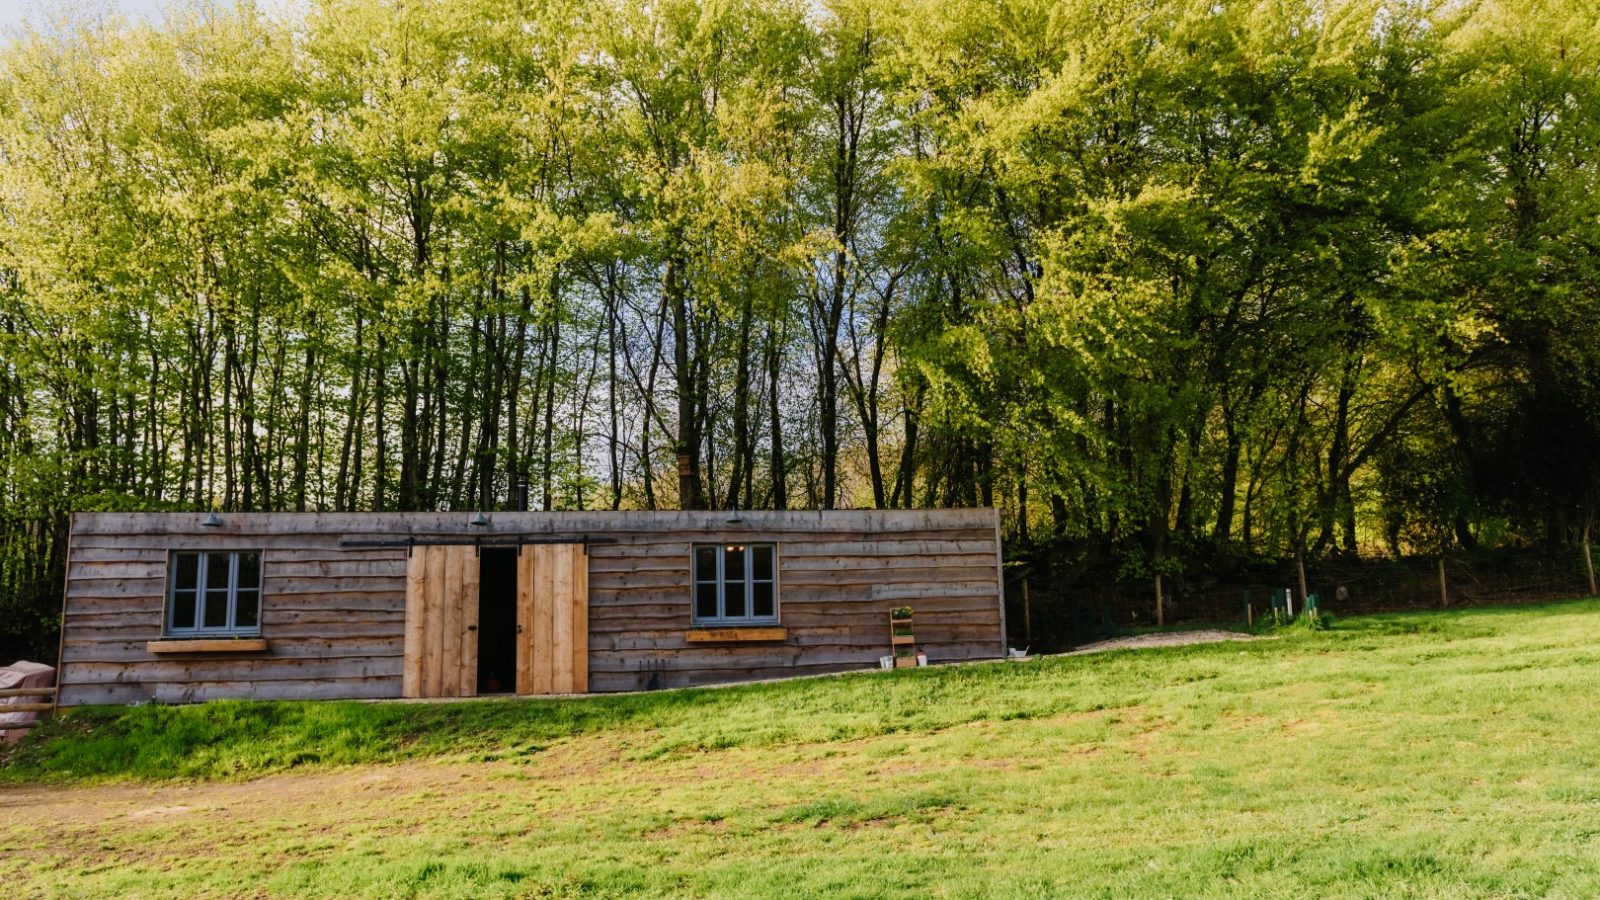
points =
(441, 655)
(553, 619)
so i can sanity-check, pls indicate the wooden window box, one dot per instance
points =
(735, 635)
(208, 645)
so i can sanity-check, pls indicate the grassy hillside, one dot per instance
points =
(1412, 755)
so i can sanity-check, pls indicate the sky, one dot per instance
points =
(15, 12)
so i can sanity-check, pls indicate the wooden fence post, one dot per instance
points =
(1588, 555)
(1444, 593)
(1027, 615)
(1300, 568)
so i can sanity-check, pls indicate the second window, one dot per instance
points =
(735, 584)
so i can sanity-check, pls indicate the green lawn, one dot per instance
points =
(1437, 754)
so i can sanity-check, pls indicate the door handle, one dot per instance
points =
(519, 628)
(472, 628)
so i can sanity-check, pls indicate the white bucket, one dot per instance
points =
(886, 662)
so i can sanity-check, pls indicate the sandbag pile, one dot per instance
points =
(22, 674)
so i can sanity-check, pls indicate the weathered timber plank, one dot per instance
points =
(554, 523)
(729, 635)
(805, 594)
(543, 619)
(769, 656)
(125, 651)
(450, 625)
(816, 601)
(312, 584)
(115, 589)
(411, 673)
(321, 689)
(281, 570)
(220, 645)
(118, 553)
(580, 620)
(652, 641)
(196, 669)
(525, 576)
(119, 570)
(561, 637)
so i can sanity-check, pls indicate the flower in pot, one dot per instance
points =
(900, 612)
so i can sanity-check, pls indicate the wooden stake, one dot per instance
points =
(1160, 614)
(1444, 593)
(1027, 616)
(1588, 556)
(1300, 568)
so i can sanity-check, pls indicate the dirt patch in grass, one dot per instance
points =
(1162, 639)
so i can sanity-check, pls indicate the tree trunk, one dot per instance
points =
(688, 446)
(780, 475)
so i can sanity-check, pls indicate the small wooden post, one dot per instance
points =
(1300, 568)
(1588, 556)
(1027, 615)
(1444, 593)
(1161, 618)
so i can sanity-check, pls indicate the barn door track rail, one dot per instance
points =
(479, 541)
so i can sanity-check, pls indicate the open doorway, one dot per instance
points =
(497, 620)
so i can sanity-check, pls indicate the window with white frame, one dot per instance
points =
(214, 592)
(735, 584)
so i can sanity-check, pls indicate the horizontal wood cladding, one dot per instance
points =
(334, 616)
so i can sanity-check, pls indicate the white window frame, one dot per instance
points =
(203, 561)
(750, 581)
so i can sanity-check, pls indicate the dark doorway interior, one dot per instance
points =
(497, 620)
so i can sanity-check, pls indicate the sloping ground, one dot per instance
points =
(1162, 639)
(1420, 755)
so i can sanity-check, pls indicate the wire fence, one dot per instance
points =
(1050, 612)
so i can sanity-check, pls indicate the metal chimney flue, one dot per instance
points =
(521, 499)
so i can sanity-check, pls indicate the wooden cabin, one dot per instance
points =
(182, 607)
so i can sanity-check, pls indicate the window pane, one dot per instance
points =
(705, 600)
(761, 561)
(216, 570)
(186, 571)
(216, 611)
(249, 571)
(733, 599)
(705, 564)
(733, 564)
(761, 599)
(245, 609)
(183, 609)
